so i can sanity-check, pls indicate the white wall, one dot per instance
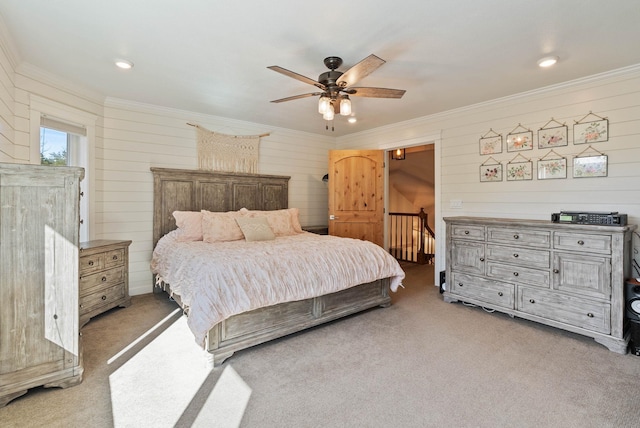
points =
(7, 98)
(615, 95)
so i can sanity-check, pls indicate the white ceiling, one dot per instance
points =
(211, 57)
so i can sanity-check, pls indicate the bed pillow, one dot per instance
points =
(255, 229)
(189, 225)
(283, 222)
(220, 227)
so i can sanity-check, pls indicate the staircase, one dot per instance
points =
(411, 238)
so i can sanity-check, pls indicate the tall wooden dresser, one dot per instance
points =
(568, 276)
(39, 230)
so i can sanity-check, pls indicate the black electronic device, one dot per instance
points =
(590, 217)
(632, 297)
(634, 337)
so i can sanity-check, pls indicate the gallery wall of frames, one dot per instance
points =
(550, 165)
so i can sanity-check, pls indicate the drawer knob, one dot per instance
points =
(590, 315)
(104, 278)
(466, 232)
(104, 297)
(516, 274)
(581, 242)
(90, 263)
(556, 271)
(516, 255)
(516, 237)
(500, 293)
(481, 259)
(114, 258)
(531, 301)
(460, 284)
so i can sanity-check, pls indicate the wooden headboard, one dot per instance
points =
(195, 190)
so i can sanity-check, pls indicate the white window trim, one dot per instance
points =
(40, 107)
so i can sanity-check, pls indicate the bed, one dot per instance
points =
(226, 326)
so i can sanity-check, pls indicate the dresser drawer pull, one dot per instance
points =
(114, 258)
(516, 274)
(556, 271)
(104, 297)
(516, 237)
(500, 293)
(481, 259)
(90, 263)
(466, 232)
(104, 278)
(516, 255)
(590, 315)
(531, 301)
(460, 284)
(580, 242)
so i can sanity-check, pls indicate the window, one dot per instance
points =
(62, 135)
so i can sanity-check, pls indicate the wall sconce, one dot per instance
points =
(397, 154)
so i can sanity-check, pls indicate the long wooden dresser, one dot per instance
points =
(567, 276)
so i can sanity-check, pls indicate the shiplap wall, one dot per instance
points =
(615, 95)
(7, 103)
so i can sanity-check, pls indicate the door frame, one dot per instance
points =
(424, 140)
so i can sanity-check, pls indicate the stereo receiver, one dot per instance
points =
(590, 217)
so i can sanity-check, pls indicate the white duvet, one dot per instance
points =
(216, 281)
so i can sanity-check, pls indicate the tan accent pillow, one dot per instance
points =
(189, 224)
(283, 222)
(220, 227)
(255, 229)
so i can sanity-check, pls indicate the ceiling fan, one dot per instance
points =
(336, 86)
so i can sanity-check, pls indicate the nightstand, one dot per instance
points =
(104, 277)
(318, 230)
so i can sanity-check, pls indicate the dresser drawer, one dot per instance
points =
(101, 279)
(102, 297)
(114, 258)
(576, 311)
(484, 290)
(519, 274)
(519, 256)
(92, 263)
(524, 237)
(462, 231)
(582, 242)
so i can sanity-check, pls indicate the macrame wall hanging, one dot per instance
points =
(228, 153)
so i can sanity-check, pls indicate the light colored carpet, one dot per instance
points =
(419, 363)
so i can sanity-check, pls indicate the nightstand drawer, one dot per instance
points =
(114, 258)
(101, 279)
(101, 298)
(92, 263)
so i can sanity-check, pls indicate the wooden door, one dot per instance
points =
(356, 194)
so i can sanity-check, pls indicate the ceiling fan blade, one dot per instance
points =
(297, 76)
(297, 97)
(375, 92)
(360, 71)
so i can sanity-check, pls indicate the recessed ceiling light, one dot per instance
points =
(124, 64)
(352, 120)
(547, 61)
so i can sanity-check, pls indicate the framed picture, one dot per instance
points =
(553, 137)
(549, 169)
(592, 131)
(490, 173)
(491, 145)
(590, 166)
(519, 171)
(519, 141)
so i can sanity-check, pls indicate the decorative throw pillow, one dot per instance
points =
(283, 222)
(189, 224)
(220, 227)
(255, 229)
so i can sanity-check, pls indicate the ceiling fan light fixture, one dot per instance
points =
(328, 115)
(124, 64)
(323, 103)
(345, 105)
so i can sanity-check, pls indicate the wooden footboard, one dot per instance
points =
(262, 325)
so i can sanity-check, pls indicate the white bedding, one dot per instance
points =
(218, 280)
